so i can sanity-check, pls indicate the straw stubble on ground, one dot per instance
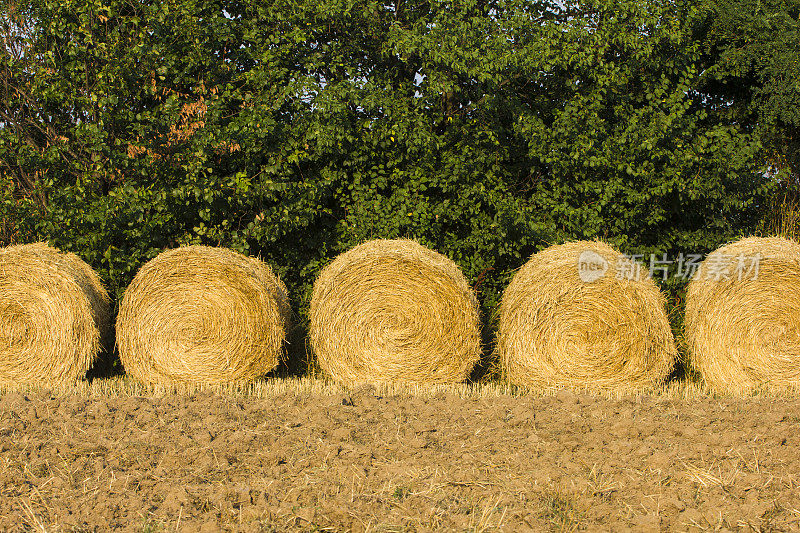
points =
(368, 461)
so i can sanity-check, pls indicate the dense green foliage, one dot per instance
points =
(294, 130)
(754, 63)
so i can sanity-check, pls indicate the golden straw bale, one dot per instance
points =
(205, 315)
(391, 311)
(742, 321)
(581, 315)
(55, 315)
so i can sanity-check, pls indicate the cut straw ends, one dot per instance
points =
(54, 315)
(199, 314)
(581, 315)
(390, 311)
(742, 323)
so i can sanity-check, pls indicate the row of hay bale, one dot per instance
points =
(395, 311)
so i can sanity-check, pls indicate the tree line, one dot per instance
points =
(486, 129)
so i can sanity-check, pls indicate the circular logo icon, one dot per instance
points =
(591, 266)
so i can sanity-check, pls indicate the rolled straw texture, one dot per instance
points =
(390, 311)
(742, 323)
(602, 328)
(55, 315)
(203, 315)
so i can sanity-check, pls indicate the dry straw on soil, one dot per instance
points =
(202, 315)
(394, 311)
(742, 321)
(591, 329)
(54, 315)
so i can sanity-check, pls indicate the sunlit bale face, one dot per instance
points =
(202, 315)
(55, 315)
(391, 311)
(582, 315)
(743, 316)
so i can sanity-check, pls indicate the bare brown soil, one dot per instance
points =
(370, 462)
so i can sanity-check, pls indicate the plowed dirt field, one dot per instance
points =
(368, 461)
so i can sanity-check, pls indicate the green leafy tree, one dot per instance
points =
(293, 130)
(754, 64)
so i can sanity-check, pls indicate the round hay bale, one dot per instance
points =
(55, 315)
(202, 315)
(393, 311)
(742, 322)
(582, 315)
